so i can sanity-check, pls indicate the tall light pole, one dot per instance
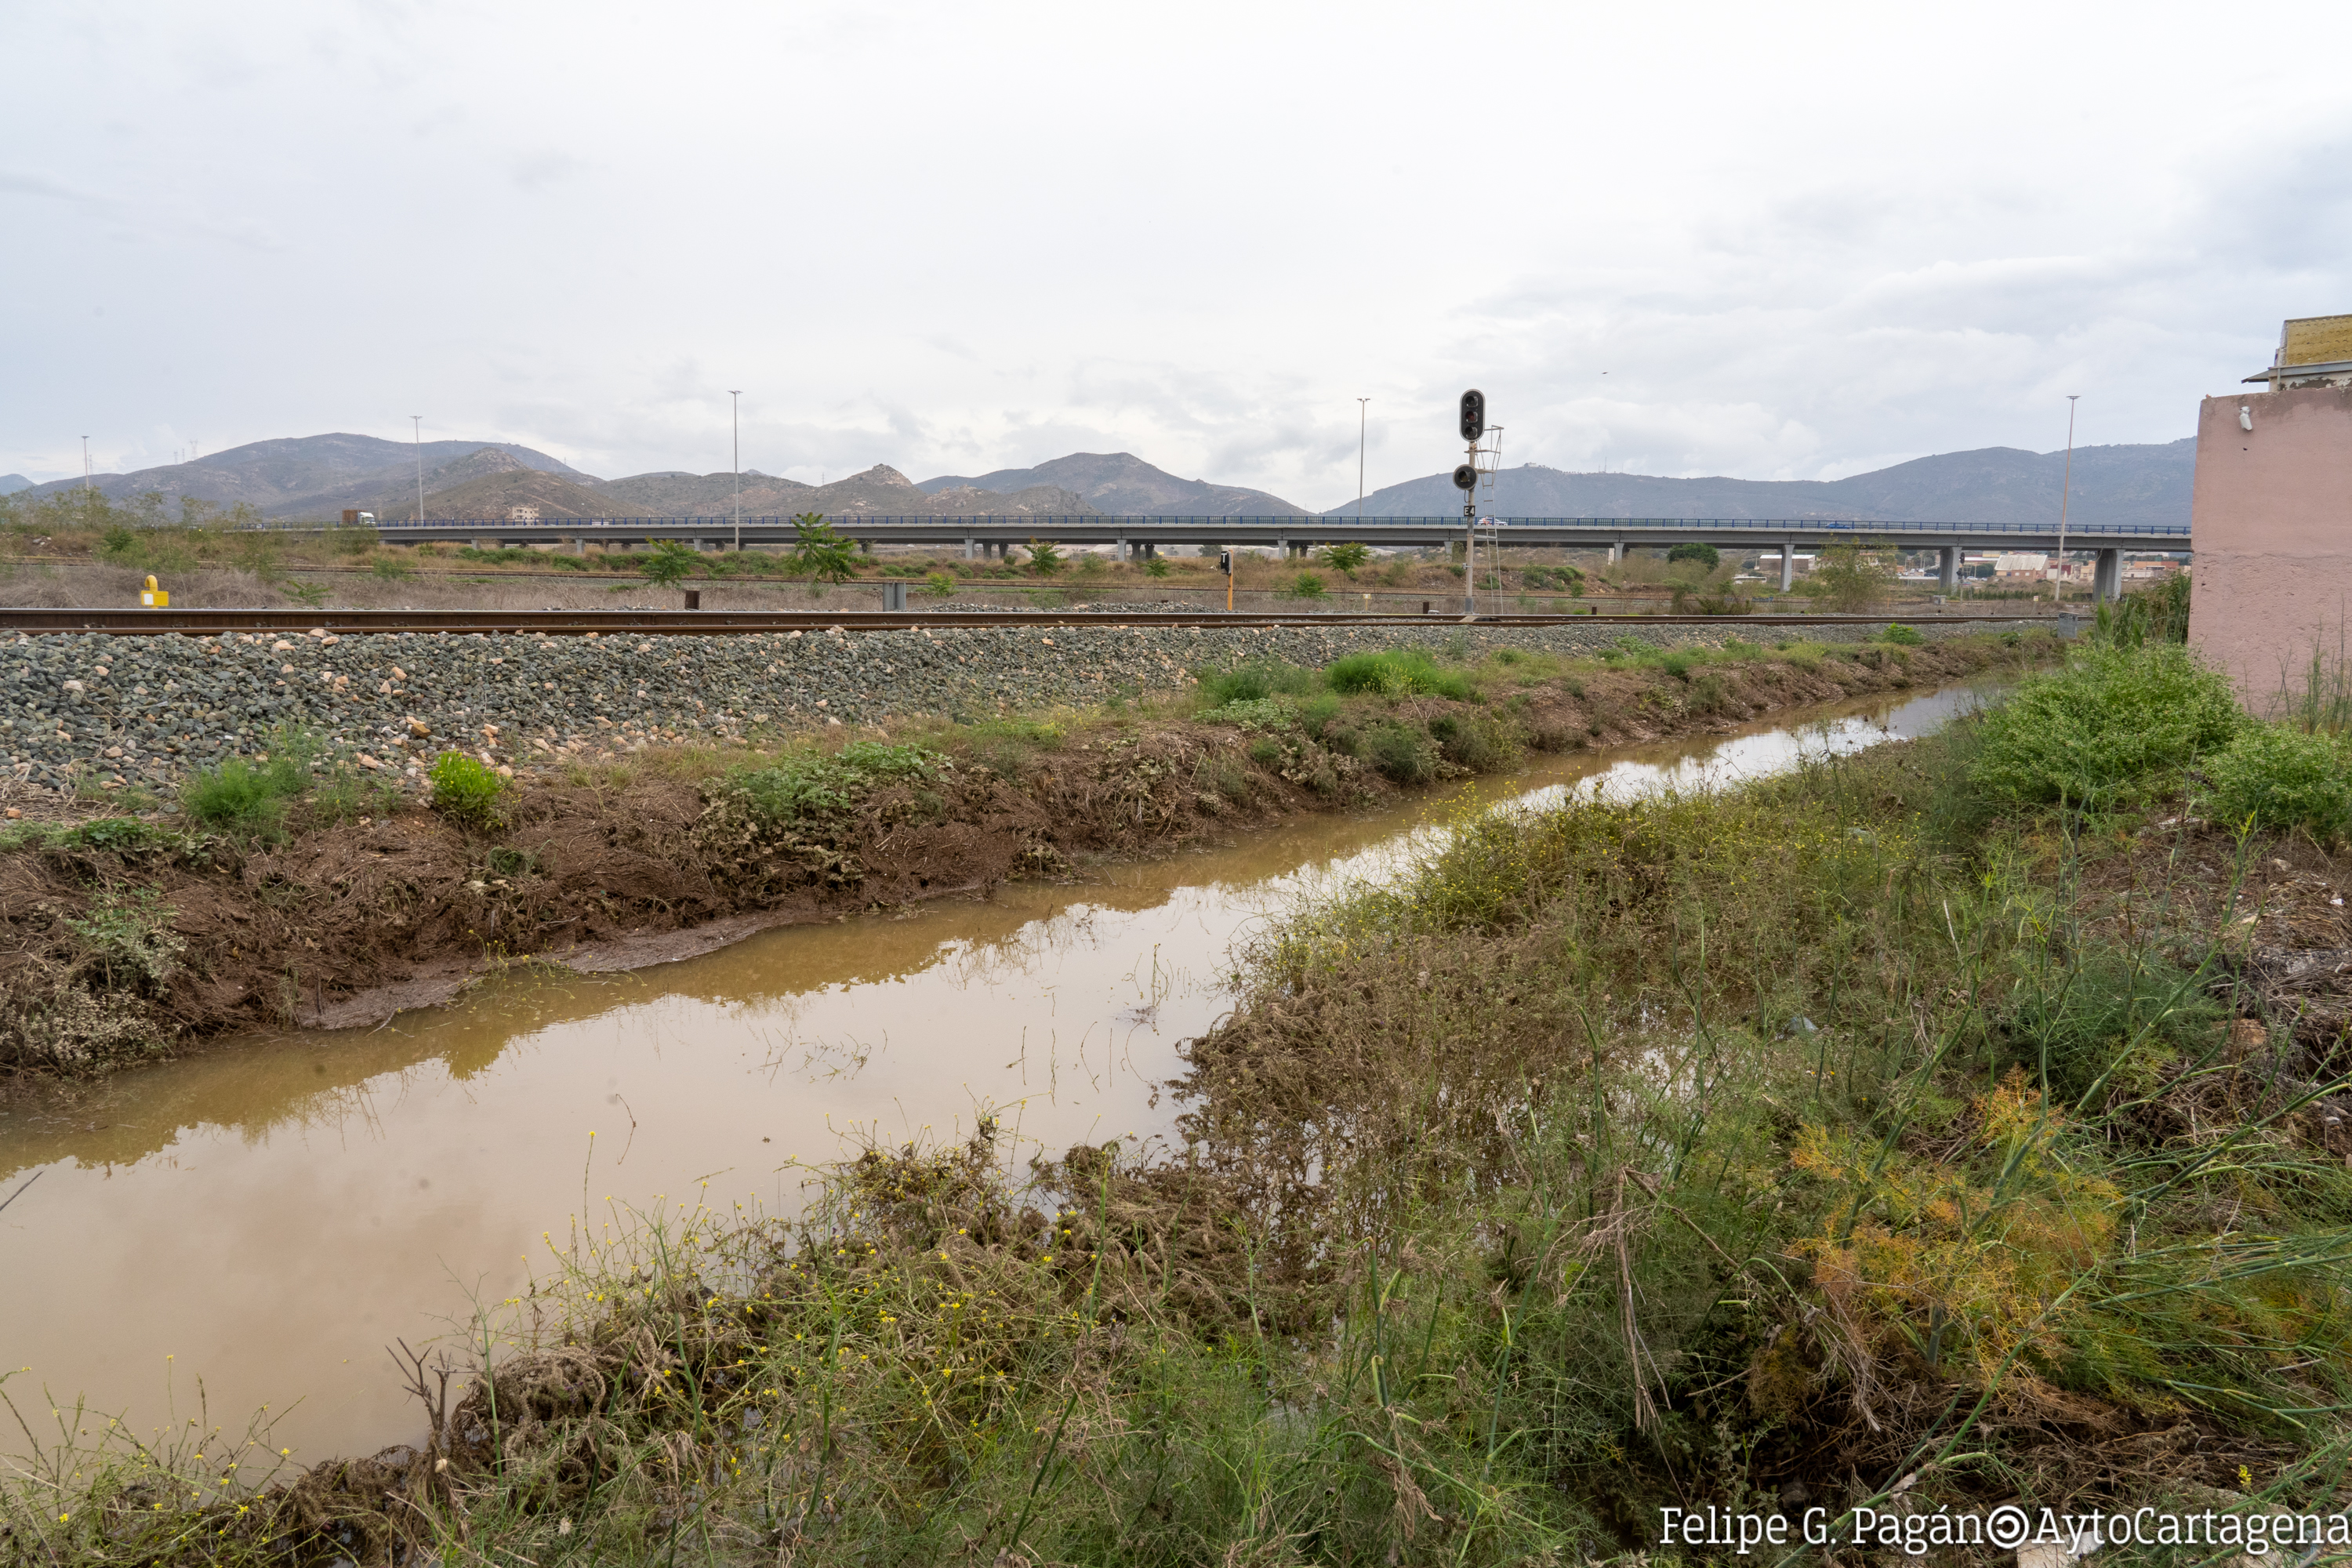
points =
(737, 394)
(1362, 404)
(2066, 487)
(416, 424)
(85, 463)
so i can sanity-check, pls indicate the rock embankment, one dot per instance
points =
(127, 710)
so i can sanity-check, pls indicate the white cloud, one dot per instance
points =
(955, 239)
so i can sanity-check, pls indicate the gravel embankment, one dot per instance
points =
(137, 709)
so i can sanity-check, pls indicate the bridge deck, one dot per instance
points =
(1280, 532)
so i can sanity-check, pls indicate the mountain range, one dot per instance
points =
(2117, 485)
(1124, 485)
(319, 477)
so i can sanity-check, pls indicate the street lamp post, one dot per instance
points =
(416, 433)
(1361, 408)
(737, 394)
(2066, 487)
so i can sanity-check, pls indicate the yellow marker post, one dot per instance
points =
(152, 597)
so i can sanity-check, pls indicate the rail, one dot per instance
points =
(709, 623)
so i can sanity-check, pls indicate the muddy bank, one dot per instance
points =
(134, 939)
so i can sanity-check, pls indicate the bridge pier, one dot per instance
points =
(1616, 552)
(2107, 577)
(1947, 568)
(967, 547)
(1788, 565)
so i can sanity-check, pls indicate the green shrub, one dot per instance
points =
(2275, 776)
(1347, 559)
(812, 783)
(1402, 752)
(391, 568)
(1707, 556)
(1406, 671)
(2106, 727)
(1255, 683)
(820, 551)
(248, 799)
(1045, 557)
(466, 789)
(2107, 1025)
(1306, 586)
(1475, 741)
(1263, 714)
(1898, 633)
(938, 585)
(1154, 567)
(667, 564)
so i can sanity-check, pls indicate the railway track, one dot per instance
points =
(721, 623)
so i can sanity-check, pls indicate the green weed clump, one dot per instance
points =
(246, 799)
(1398, 673)
(2109, 726)
(466, 789)
(1402, 753)
(812, 783)
(2278, 776)
(1906, 637)
(1255, 683)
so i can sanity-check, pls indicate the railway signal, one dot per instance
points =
(1465, 480)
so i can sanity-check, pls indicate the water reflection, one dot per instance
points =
(272, 1213)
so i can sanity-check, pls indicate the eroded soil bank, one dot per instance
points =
(132, 939)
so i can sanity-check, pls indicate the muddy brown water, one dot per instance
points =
(253, 1225)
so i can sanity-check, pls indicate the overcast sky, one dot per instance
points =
(1775, 242)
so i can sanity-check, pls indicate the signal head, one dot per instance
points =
(1474, 415)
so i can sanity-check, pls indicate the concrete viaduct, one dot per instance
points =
(1139, 537)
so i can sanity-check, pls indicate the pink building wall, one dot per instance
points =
(2271, 523)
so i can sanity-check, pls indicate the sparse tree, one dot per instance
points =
(1347, 559)
(667, 564)
(821, 552)
(1045, 557)
(1852, 576)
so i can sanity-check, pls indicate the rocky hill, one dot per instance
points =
(2127, 485)
(1125, 485)
(675, 493)
(11, 483)
(311, 476)
(883, 491)
(492, 497)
